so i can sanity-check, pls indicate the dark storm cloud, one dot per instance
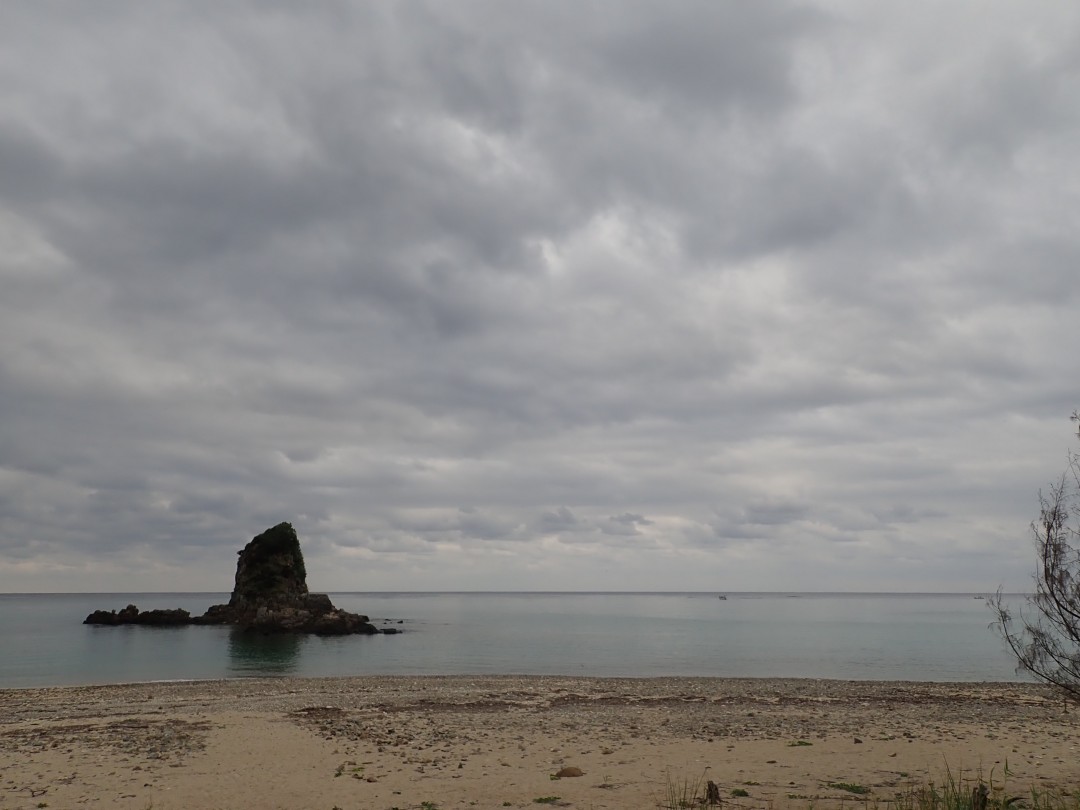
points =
(466, 292)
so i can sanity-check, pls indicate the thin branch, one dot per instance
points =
(1048, 645)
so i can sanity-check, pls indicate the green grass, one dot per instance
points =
(351, 768)
(546, 800)
(850, 787)
(956, 792)
(680, 794)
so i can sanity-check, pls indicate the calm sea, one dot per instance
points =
(923, 637)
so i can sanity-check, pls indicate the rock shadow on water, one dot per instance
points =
(255, 654)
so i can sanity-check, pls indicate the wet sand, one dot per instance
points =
(493, 742)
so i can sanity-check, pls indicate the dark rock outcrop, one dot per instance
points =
(270, 571)
(270, 595)
(132, 615)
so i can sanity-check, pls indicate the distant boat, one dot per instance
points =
(722, 596)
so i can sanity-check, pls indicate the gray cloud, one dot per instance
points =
(468, 292)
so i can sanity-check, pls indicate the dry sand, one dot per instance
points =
(492, 742)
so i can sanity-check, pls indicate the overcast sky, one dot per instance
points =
(542, 295)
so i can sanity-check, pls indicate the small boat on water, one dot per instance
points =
(723, 597)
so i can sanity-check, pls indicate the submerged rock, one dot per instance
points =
(270, 595)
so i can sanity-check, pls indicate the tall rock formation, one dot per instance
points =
(271, 592)
(270, 595)
(270, 573)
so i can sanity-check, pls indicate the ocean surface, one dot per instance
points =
(921, 637)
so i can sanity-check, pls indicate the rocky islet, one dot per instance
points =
(270, 595)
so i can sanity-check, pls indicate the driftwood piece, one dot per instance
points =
(712, 793)
(979, 795)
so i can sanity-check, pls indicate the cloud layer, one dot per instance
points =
(726, 296)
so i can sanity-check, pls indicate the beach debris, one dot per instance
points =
(712, 793)
(569, 771)
(979, 796)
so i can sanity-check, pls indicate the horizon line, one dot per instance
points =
(541, 592)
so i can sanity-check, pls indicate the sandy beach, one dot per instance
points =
(493, 742)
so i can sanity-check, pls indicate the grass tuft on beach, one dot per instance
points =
(954, 792)
(959, 793)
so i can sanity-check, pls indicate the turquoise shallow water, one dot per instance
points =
(928, 637)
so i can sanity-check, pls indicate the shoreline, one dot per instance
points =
(407, 676)
(495, 741)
